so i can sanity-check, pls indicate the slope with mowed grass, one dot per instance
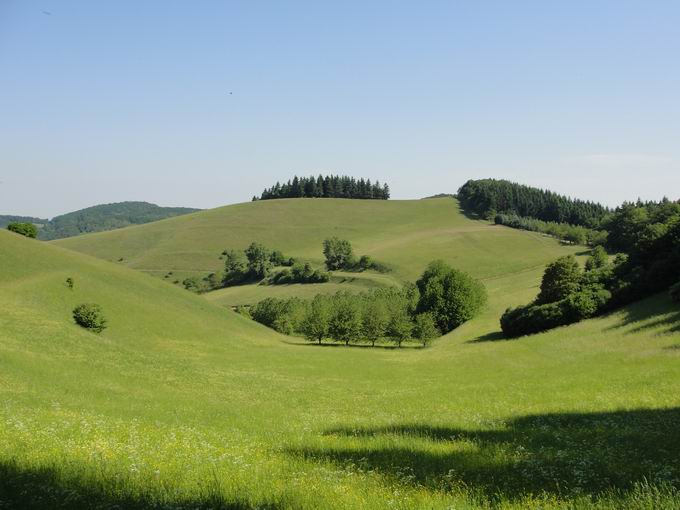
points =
(183, 404)
(405, 235)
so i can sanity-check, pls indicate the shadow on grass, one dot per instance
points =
(43, 488)
(495, 336)
(559, 454)
(654, 313)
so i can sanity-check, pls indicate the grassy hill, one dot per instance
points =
(181, 403)
(406, 235)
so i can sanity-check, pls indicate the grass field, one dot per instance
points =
(182, 403)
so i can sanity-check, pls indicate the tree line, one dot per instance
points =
(488, 197)
(441, 300)
(329, 186)
(574, 234)
(646, 240)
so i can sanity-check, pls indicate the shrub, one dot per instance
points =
(90, 316)
(25, 229)
(598, 259)
(451, 296)
(70, 283)
(338, 253)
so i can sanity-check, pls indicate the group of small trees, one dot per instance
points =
(568, 294)
(330, 186)
(339, 255)
(24, 229)
(440, 301)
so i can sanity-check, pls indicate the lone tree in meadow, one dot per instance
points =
(561, 279)
(259, 263)
(451, 296)
(90, 316)
(25, 229)
(338, 253)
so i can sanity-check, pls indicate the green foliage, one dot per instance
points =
(259, 260)
(487, 196)
(316, 324)
(375, 319)
(300, 273)
(338, 253)
(90, 316)
(399, 327)
(25, 229)
(345, 321)
(451, 296)
(330, 186)
(598, 259)
(425, 329)
(573, 234)
(561, 278)
(70, 283)
(107, 217)
(6, 219)
(535, 317)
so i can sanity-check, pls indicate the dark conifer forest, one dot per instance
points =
(330, 186)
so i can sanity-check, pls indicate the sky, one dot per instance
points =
(204, 103)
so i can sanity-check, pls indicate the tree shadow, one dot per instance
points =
(559, 454)
(494, 336)
(45, 487)
(653, 313)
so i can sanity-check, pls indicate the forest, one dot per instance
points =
(330, 186)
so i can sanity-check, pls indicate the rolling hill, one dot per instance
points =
(184, 404)
(406, 235)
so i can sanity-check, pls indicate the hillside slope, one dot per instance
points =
(105, 217)
(183, 404)
(406, 235)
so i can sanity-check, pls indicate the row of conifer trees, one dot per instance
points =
(330, 186)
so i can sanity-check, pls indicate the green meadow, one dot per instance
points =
(182, 403)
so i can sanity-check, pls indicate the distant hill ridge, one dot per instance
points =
(98, 218)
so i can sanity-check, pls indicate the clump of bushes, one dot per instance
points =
(568, 295)
(25, 229)
(442, 300)
(299, 273)
(339, 255)
(90, 316)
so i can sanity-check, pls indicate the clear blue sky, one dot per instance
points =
(130, 100)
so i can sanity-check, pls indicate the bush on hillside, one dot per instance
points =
(300, 273)
(338, 253)
(451, 296)
(25, 229)
(90, 316)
